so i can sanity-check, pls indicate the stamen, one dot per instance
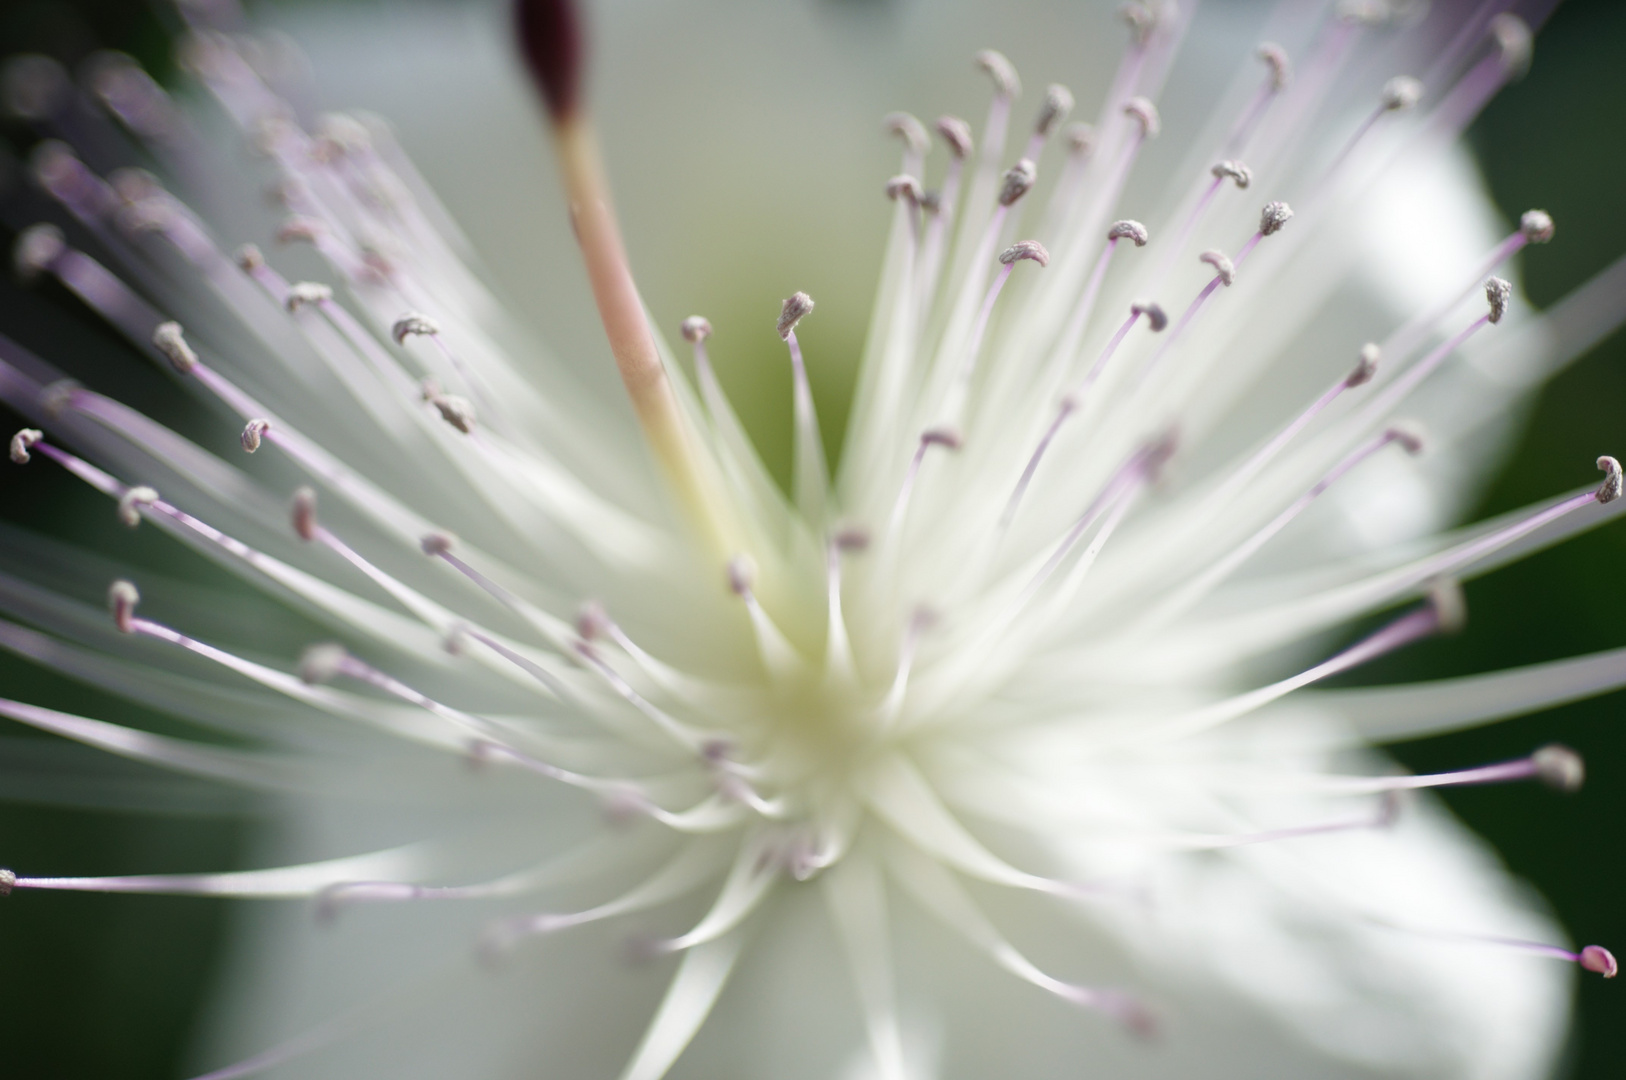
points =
(838, 654)
(778, 655)
(1278, 76)
(956, 133)
(1062, 360)
(1593, 958)
(811, 478)
(1497, 292)
(945, 437)
(1022, 250)
(1053, 112)
(913, 135)
(1073, 400)
(1435, 616)
(1200, 586)
(920, 621)
(1555, 765)
(1511, 57)
(1366, 366)
(1271, 219)
(931, 884)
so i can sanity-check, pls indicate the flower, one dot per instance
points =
(1016, 689)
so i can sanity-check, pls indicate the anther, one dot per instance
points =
(413, 324)
(695, 329)
(1157, 320)
(1363, 12)
(249, 258)
(1129, 230)
(8, 878)
(322, 663)
(907, 128)
(1408, 435)
(303, 513)
(1000, 70)
(1058, 102)
(253, 432)
(1608, 491)
(169, 340)
(1080, 137)
(850, 539)
(1238, 172)
(795, 308)
(1450, 606)
(1497, 293)
(1275, 58)
(592, 621)
(1224, 268)
(1559, 767)
(946, 437)
(1400, 93)
(133, 501)
(436, 543)
(1366, 366)
(931, 201)
(1513, 40)
(122, 599)
(22, 441)
(904, 186)
(37, 250)
(1144, 113)
(742, 574)
(1537, 226)
(298, 229)
(1599, 960)
(1140, 19)
(957, 134)
(1018, 179)
(455, 410)
(1273, 217)
(1025, 249)
(307, 292)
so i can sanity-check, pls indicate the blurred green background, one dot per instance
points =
(113, 986)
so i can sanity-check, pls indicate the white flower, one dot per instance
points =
(1020, 687)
